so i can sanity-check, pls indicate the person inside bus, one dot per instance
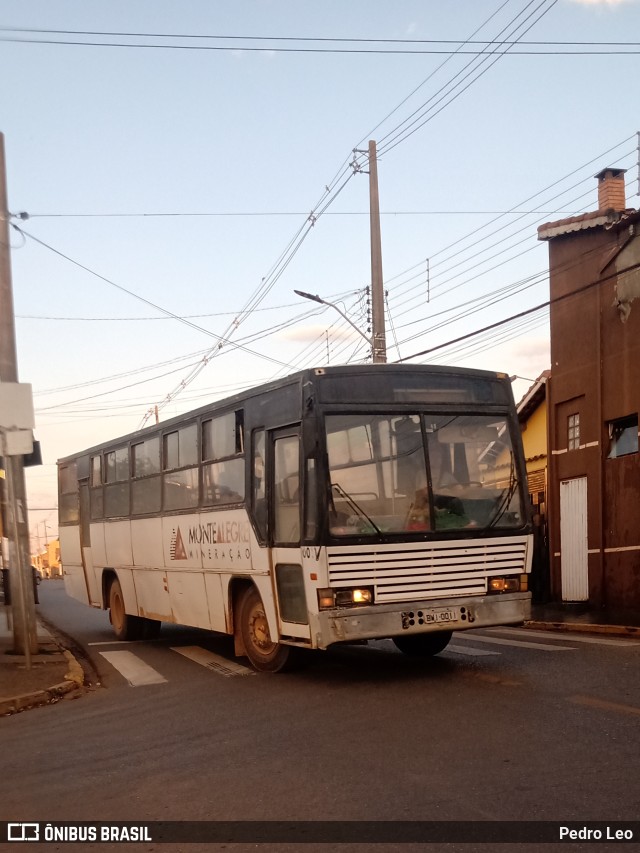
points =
(449, 509)
(419, 516)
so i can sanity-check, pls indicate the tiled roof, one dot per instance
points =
(594, 219)
(534, 396)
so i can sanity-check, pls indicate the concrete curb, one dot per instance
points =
(75, 674)
(585, 628)
(73, 679)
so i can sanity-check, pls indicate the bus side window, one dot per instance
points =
(223, 474)
(286, 482)
(69, 494)
(258, 485)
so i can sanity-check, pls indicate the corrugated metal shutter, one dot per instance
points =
(537, 481)
(573, 539)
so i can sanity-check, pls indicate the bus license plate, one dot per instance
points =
(432, 617)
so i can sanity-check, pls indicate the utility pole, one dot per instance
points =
(15, 525)
(378, 334)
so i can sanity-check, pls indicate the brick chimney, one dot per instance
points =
(611, 194)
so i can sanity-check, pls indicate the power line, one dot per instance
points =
(24, 215)
(410, 47)
(462, 240)
(424, 114)
(222, 340)
(305, 39)
(268, 282)
(524, 313)
(328, 197)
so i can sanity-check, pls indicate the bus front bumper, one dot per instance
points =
(345, 625)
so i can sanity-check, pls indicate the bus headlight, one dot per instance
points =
(362, 596)
(358, 596)
(504, 584)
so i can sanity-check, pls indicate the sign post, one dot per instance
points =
(16, 440)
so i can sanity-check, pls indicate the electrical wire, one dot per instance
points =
(222, 340)
(552, 301)
(306, 39)
(519, 204)
(410, 50)
(425, 113)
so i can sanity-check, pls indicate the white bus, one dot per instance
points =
(340, 504)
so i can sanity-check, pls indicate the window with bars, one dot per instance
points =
(573, 432)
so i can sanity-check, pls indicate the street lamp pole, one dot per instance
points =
(377, 341)
(315, 298)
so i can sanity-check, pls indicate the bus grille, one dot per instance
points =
(428, 569)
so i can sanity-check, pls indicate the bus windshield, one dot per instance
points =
(421, 472)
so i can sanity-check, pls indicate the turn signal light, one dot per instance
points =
(326, 599)
(504, 584)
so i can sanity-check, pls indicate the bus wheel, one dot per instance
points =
(125, 627)
(423, 645)
(264, 654)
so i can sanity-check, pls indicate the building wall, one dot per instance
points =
(534, 437)
(595, 367)
(534, 440)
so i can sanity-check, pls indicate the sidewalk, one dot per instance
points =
(54, 671)
(557, 616)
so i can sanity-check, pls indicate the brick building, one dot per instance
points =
(594, 400)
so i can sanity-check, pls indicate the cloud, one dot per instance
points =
(305, 334)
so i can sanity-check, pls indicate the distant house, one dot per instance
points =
(594, 400)
(532, 414)
(47, 561)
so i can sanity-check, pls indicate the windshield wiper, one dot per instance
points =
(505, 498)
(355, 506)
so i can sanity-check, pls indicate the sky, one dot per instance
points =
(176, 171)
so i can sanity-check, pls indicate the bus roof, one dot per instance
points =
(301, 378)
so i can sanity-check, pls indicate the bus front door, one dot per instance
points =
(286, 554)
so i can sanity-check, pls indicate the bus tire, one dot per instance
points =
(423, 645)
(125, 627)
(263, 653)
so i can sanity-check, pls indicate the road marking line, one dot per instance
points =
(604, 705)
(136, 671)
(463, 650)
(572, 638)
(218, 664)
(476, 638)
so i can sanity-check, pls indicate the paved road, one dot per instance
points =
(506, 724)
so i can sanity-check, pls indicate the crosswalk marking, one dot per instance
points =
(599, 641)
(218, 664)
(468, 650)
(136, 671)
(476, 638)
